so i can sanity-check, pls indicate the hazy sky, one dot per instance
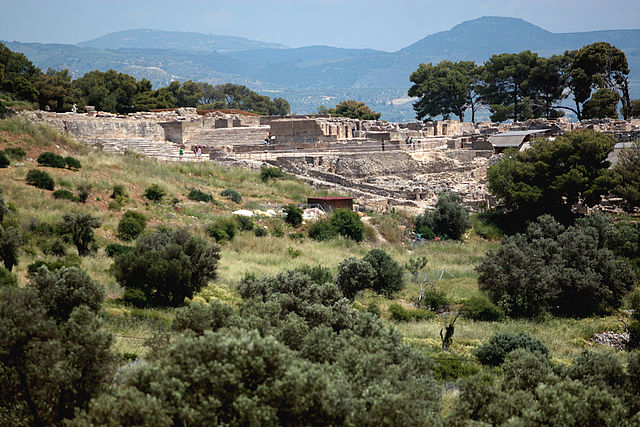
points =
(379, 24)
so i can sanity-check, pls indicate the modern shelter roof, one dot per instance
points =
(513, 138)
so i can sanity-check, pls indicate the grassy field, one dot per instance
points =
(450, 266)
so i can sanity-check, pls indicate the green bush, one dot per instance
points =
(297, 235)
(52, 160)
(131, 225)
(484, 227)
(4, 160)
(353, 276)
(348, 224)
(222, 229)
(270, 172)
(40, 179)
(64, 289)
(115, 249)
(154, 193)
(566, 272)
(232, 195)
(479, 307)
(292, 215)
(84, 189)
(389, 277)
(245, 223)
(64, 194)
(449, 219)
(56, 247)
(118, 191)
(166, 267)
(435, 300)
(260, 231)
(80, 227)
(449, 369)
(16, 153)
(10, 242)
(317, 273)
(72, 162)
(322, 229)
(70, 261)
(198, 318)
(3, 110)
(401, 314)
(7, 279)
(494, 351)
(199, 196)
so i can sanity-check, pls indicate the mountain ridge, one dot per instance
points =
(318, 75)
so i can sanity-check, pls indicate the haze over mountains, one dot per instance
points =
(314, 75)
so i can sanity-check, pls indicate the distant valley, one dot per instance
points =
(315, 75)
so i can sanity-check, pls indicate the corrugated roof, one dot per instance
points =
(513, 138)
(330, 198)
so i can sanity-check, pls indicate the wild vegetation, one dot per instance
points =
(203, 319)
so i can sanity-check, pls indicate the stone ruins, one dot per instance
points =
(381, 164)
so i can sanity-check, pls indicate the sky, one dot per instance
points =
(378, 24)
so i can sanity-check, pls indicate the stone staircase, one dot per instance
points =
(226, 136)
(161, 150)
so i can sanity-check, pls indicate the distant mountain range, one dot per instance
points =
(314, 75)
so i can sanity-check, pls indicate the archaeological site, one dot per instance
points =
(378, 163)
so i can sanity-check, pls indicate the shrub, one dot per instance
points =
(401, 314)
(222, 229)
(52, 160)
(64, 194)
(66, 288)
(435, 300)
(449, 219)
(198, 318)
(293, 252)
(7, 279)
(154, 193)
(292, 215)
(4, 160)
(84, 189)
(69, 261)
(80, 227)
(260, 231)
(353, 276)
(10, 243)
(479, 307)
(232, 195)
(3, 110)
(199, 196)
(72, 162)
(317, 273)
(322, 230)
(298, 235)
(348, 224)
(245, 223)
(166, 267)
(114, 249)
(494, 351)
(118, 191)
(277, 230)
(131, 225)
(552, 269)
(270, 172)
(389, 277)
(16, 153)
(56, 247)
(40, 179)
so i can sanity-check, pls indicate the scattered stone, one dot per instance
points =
(615, 340)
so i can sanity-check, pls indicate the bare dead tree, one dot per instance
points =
(447, 337)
